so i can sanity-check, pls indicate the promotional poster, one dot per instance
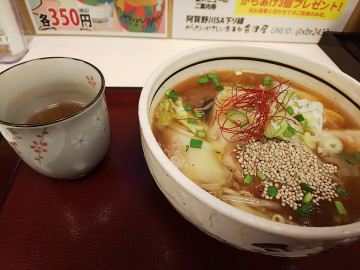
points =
(146, 18)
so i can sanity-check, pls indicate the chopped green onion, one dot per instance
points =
(237, 117)
(187, 148)
(267, 81)
(215, 81)
(238, 85)
(307, 198)
(187, 108)
(171, 93)
(213, 76)
(332, 145)
(289, 132)
(340, 207)
(290, 110)
(306, 208)
(271, 191)
(261, 175)
(238, 72)
(305, 187)
(341, 191)
(194, 143)
(199, 114)
(305, 124)
(248, 179)
(294, 95)
(299, 117)
(201, 134)
(352, 159)
(219, 87)
(203, 80)
(248, 87)
(192, 121)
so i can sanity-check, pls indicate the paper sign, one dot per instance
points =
(321, 10)
(145, 18)
(260, 20)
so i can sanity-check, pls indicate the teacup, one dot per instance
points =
(53, 113)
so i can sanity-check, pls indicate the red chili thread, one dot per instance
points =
(256, 104)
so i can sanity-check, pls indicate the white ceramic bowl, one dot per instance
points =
(218, 219)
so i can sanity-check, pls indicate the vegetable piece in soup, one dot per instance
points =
(263, 144)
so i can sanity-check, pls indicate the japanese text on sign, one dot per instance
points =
(314, 9)
(221, 24)
(65, 18)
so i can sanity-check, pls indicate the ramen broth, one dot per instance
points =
(208, 124)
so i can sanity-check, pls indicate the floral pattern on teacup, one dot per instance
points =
(39, 146)
(91, 80)
(97, 118)
(15, 137)
(81, 140)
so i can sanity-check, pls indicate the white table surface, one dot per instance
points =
(128, 62)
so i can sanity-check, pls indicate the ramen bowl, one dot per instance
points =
(218, 219)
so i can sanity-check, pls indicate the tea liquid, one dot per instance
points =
(54, 112)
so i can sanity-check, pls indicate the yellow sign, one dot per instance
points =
(306, 9)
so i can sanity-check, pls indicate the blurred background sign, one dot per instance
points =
(268, 20)
(145, 18)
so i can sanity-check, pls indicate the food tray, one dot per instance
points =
(116, 217)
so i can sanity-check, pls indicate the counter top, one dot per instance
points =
(128, 62)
